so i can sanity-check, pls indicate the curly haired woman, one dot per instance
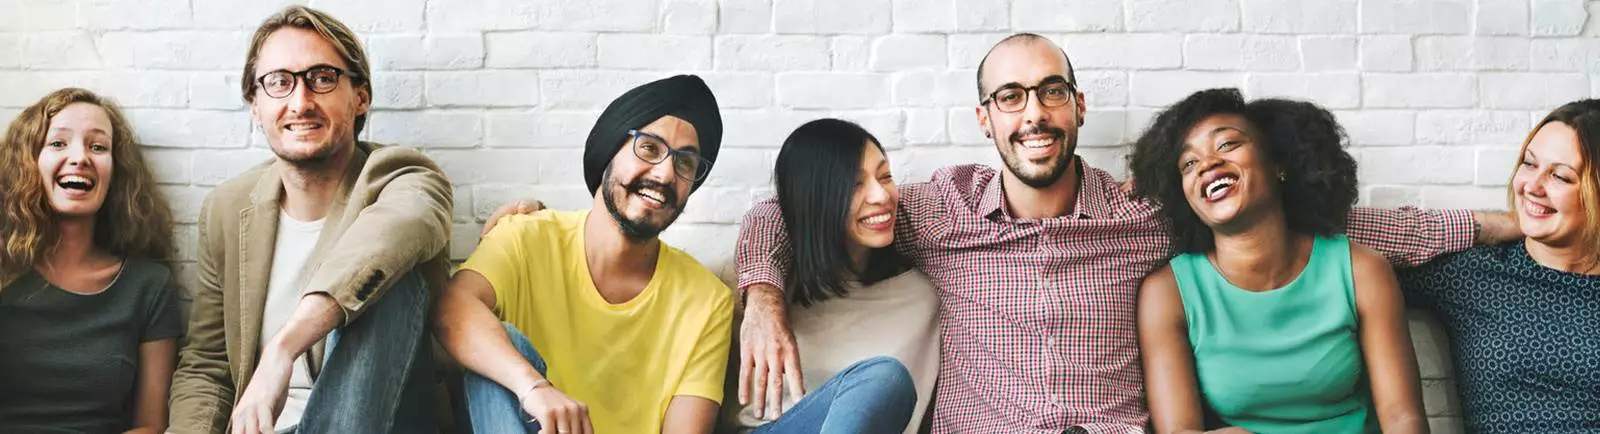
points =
(1268, 316)
(88, 316)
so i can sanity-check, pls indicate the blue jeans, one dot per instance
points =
(377, 375)
(872, 396)
(492, 408)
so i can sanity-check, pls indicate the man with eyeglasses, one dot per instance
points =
(315, 268)
(585, 321)
(1038, 266)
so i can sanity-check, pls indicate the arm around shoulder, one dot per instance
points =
(1409, 237)
(763, 251)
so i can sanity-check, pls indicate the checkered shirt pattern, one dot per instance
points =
(1038, 315)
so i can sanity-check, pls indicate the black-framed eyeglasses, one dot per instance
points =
(653, 149)
(319, 79)
(1012, 98)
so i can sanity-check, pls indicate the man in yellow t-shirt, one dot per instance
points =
(605, 328)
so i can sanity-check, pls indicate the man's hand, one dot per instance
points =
(258, 408)
(519, 206)
(767, 354)
(556, 412)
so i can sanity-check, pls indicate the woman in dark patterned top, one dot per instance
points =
(1524, 318)
(88, 318)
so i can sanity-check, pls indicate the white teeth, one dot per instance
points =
(877, 219)
(1220, 185)
(653, 195)
(1540, 209)
(301, 127)
(1036, 143)
(77, 182)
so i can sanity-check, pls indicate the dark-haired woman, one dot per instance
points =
(866, 324)
(1524, 317)
(1268, 316)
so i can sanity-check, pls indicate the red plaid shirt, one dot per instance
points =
(1038, 315)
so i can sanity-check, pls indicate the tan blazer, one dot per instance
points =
(392, 214)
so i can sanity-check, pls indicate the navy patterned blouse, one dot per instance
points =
(1526, 338)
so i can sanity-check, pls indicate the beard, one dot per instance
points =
(1029, 173)
(641, 229)
(317, 157)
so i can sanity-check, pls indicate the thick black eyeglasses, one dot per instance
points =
(320, 79)
(1013, 98)
(653, 149)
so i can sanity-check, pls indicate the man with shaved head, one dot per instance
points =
(1038, 266)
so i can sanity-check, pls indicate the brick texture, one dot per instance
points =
(1436, 95)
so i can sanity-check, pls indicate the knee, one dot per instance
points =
(886, 373)
(411, 286)
(412, 281)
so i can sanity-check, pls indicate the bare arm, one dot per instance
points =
(1386, 344)
(466, 326)
(1496, 227)
(689, 415)
(1174, 393)
(768, 355)
(157, 359)
(313, 318)
(257, 408)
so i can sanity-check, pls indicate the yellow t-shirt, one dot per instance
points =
(626, 361)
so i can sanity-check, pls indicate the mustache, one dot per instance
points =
(1038, 129)
(307, 117)
(667, 192)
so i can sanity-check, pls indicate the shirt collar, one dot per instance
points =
(1092, 202)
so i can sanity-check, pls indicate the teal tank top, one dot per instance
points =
(1286, 360)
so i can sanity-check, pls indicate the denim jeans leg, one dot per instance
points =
(874, 395)
(377, 375)
(493, 408)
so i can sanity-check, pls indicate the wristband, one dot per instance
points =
(522, 397)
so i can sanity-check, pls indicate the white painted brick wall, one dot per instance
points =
(1435, 94)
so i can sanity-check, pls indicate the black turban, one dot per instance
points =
(684, 96)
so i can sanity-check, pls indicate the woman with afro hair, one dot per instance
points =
(1268, 317)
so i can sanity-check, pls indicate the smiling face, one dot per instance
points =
(872, 208)
(1036, 143)
(305, 127)
(1547, 189)
(1227, 177)
(645, 198)
(76, 160)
